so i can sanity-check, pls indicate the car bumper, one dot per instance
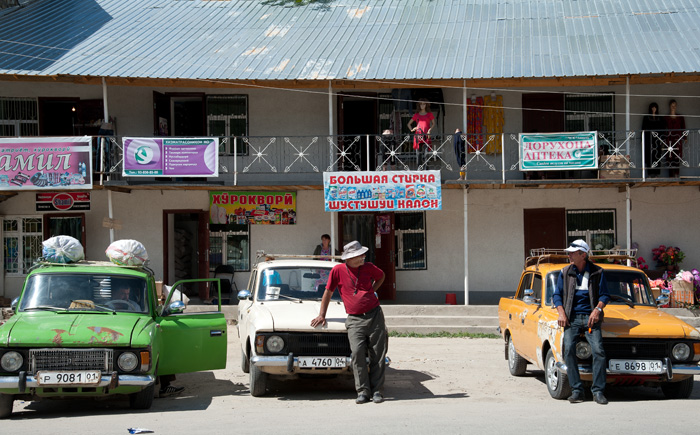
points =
(291, 363)
(669, 369)
(23, 381)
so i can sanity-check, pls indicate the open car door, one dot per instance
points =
(191, 342)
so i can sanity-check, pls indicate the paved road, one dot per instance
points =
(434, 386)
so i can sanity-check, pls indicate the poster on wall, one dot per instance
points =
(43, 163)
(255, 208)
(62, 201)
(382, 191)
(556, 151)
(171, 157)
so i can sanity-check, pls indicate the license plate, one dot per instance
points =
(635, 366)
(308, 362)
(83, 377)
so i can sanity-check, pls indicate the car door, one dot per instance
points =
(191, 342)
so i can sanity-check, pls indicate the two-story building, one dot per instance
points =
(292, 91)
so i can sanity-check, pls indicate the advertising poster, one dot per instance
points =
(171, 157)
(40, 163)
(255, 208)
(62, 201)
(556, 151)
(382, 191)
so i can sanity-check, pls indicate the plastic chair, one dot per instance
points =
(227, 284)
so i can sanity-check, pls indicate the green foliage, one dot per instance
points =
(443, 334)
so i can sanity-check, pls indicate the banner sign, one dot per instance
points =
(62, 201)
(171, 157)
(40, 163)
(556, 151)
(382, 191)
(255, 208)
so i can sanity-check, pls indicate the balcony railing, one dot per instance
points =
(489, 158)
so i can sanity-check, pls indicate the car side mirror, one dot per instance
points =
(664, 298)
(13, 305)
(243, 295)
(176, 307)
(529, 297)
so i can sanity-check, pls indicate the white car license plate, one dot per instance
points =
(308, 362)
(635, 366)
(82, 377)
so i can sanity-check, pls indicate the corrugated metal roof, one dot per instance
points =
(357, 40)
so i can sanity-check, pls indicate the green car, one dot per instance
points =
(97, 329)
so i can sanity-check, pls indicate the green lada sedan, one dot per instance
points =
(98, 329)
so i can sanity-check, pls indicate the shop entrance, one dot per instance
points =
(375, 231)
(185, 247)
(544, 228)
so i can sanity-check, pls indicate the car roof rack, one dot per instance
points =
(39, 263)
(545, 255)
(261, 255)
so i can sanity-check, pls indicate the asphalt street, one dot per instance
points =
(434, 385)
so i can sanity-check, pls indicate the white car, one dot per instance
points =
(274, 323)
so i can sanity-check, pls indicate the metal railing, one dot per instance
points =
(487, 158)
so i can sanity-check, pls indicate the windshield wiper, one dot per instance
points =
(93, 307)
(45, 308)
(291, 298)
(622, 299)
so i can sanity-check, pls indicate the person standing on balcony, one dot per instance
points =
(458, 143)
(358, 283)
(424, 121)
(580, 296)
(652, 124)
(675, 124)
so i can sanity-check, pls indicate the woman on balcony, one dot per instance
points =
(424, 121)
(675, 124)
(653, 145)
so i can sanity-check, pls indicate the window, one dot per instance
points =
(22, 237)
(227, 117)
(19, 117)
(230, 247)
(596, 227)
(410, 241)
(591, 112)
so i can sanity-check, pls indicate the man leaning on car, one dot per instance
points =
(579, 298)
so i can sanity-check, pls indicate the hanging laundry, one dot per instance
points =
(475, 118)
(493, 122)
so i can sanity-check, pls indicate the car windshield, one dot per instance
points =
(624, 286)
(69, 292)
(294, 283)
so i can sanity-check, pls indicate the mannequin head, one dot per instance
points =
(423, 105)
(654, 109)
(672, 107)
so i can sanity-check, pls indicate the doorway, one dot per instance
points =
(65, 224)
(185, 249)
(376, 232)
(58, 116)
(358, 117)
(544, 228)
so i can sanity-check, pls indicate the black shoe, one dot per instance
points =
(362, 398)
(377, 397)
(170, 391)
(576, 397)
(600, 398)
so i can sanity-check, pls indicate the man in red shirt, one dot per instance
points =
(357, 283)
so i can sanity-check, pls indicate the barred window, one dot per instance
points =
(231, 247)
(410, 241)
(19, 117)
(227, 117)
(596, 227)
(591, 112)
(22, 237)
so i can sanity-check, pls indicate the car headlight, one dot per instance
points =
(583, 350)
(127, 361)
(681, 352)
(11, 361)
(274, 343)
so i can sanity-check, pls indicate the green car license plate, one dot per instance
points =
(81, 377)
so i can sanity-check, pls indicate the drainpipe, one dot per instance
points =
(110, 210)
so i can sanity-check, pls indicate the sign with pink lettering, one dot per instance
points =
(171, 157)
(382, 191)
(257, 208)
(46, 163)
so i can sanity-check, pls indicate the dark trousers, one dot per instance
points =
(367, 335)
(579, 323)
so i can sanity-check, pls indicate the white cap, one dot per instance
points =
(578, 245)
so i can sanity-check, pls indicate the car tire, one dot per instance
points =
(142, 399)
(258, 381)
(6, 401)
(557, 381)
(678, 390)
(245, 362)
(516, 363)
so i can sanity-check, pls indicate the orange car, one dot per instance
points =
(643, 345)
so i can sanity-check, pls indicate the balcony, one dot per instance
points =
(491, 161)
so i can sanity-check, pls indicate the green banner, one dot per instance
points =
(556, 151)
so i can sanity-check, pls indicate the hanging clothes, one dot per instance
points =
(475, 119)
(493, 122)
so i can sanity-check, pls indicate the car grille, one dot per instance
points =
(318, 344)
(70, 359)
(636, 349)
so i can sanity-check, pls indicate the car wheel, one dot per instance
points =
(6, 405)
(245, 363)
(258, 381)
(516, 363)
(142, 399)
(678, 390)
(557, 381)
